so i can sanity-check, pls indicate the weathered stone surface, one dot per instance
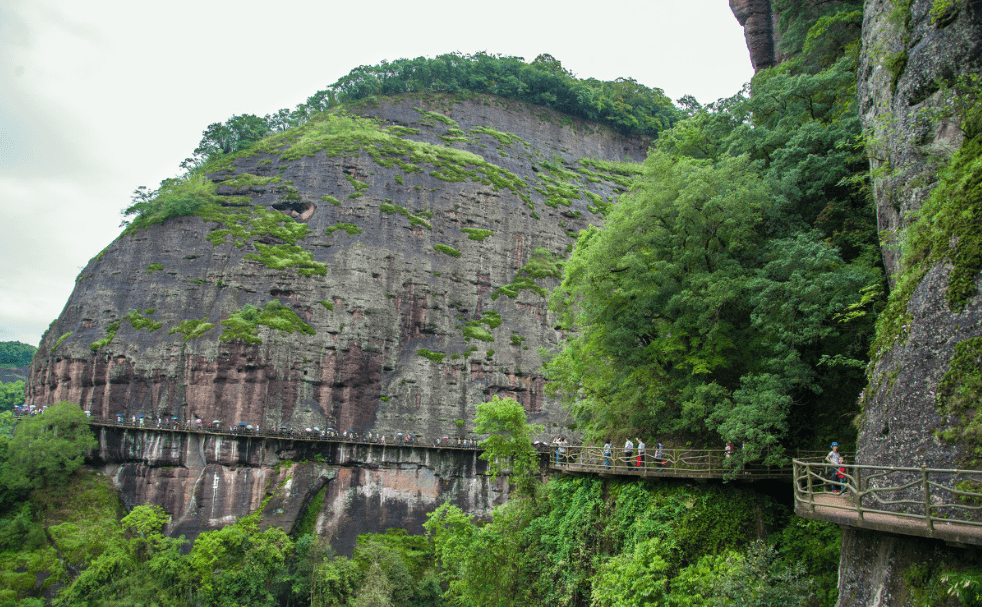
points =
(206, 481)
(873, 564)
(759, 23)
(391, 292)
(902, 107)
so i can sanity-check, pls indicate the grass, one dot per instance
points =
(332, 200)
(137, 320)
(192, 328)
(61, 339)
(436, 357)
(155, 267)
(243, 224)
(477, 234)
(394, 209)
(244, 324)
(541, 264)
(283, 256)
(350, 228)
(447, 250)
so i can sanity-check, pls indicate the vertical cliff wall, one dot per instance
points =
(760, 26)
(206, 481)
(914, 54)
(382, 269)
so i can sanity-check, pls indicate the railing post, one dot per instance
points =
(859, 493)
(811, 493)
(927, 499)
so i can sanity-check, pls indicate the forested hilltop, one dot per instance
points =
(732, 294)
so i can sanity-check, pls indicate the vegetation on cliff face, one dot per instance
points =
(244, 324)
(623, 104)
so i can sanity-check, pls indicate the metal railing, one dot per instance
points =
(681, 462)
(907, 495)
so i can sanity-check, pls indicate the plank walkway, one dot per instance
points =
(922, 502)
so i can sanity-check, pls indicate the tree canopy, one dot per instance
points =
(509, 441)
(46, 449)
(728, 297)
(623, 104)
(16, 354)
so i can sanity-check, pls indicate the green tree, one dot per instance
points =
(47, 448)
(15, 354)
(11, 395)
(632, 579)
(695, 313)
(509, 442)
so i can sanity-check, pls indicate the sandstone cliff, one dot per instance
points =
(341, 490)
(408, 255)
(760, 26)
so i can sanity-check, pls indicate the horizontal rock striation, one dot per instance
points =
(396, 272)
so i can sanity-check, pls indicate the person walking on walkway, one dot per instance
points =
(640, 452)
(607, 453)
(628, 451)
(840, 476)
(834, 458)
(660, 455)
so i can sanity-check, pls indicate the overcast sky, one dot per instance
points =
(98, 97)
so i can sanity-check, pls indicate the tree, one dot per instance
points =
(15, 354)
(509, 442)
(702, 308)
(47, 448)
(11, 395)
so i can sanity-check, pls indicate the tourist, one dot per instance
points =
(840, 476)
(660, 455)
(834, 458)
(628, 451)
(607, 453)
(640, 452)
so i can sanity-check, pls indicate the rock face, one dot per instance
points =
(902, 105)
(759, 23)
(206, 481)
(400, 264)
(904, 59)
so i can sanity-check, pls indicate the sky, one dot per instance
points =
(98, 97)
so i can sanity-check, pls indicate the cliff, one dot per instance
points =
(382, 270)
(911, 101)
(760, 26)
(206, 481)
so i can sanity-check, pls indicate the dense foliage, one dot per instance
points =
(623, 104)
(15, 354)
(727, 297)
(11, 395)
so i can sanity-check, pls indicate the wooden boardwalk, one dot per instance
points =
(670, 463)
(924, 502)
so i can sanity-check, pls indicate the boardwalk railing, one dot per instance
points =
(303, 434)
(685, 463)
(906, 498)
